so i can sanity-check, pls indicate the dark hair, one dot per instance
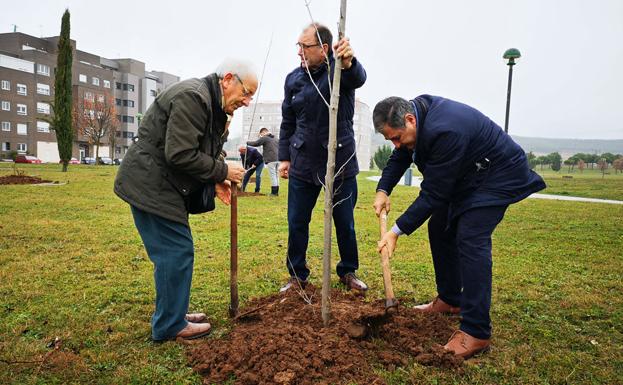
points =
(325, 34)
(263, 129)
(391, 111)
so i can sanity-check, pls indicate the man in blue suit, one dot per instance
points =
(472, 171)
(303, 150)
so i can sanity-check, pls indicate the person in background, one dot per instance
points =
(270, 148)
(253, 162)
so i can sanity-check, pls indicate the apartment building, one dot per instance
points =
(27, 67)
(268, 114)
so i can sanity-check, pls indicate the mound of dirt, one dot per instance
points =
(22, 179)
(281, 340)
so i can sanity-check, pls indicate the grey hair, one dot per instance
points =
(391, 111)
(242, 68)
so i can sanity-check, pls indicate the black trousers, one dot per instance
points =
(462, 260)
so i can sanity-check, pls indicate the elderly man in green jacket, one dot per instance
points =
(178, 151)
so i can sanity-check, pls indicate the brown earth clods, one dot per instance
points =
(281, 340)
(21, 179)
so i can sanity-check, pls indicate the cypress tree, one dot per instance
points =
(62, 121)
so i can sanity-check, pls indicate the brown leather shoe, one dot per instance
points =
(193, 330)
(438, 306)
(196, 317)
(464, 345)
(351, 281)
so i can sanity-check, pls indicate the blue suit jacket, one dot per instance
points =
(304, 133)
(466, 159)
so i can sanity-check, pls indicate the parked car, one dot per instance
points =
(71, 161)
(88, 160)
(117, 161)
(27, 159)
(104, 160)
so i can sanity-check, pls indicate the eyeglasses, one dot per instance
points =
(245, 91)
(305, 46)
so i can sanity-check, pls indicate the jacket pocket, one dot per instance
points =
(345, 152)
(296, 146)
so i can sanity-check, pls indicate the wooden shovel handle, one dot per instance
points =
(233, 255)
(385, 256)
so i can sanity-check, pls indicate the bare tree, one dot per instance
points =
(95, 118)
(329, 177)
(581, 165)
(603, 166)
(617, 164)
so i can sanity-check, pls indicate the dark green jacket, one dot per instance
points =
(179, 145)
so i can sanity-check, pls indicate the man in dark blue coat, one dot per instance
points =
(303, 150)
(253, 162)
(472, 171)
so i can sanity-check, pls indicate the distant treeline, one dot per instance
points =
(579, 160)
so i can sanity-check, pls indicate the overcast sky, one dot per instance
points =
(568, 82)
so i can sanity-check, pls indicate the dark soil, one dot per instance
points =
(22, 179)
(281, 340)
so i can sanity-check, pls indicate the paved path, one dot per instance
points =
(415, 182)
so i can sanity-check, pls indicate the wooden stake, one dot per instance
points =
(233, 253)
(328, 195)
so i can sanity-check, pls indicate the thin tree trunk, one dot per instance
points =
(328, 195)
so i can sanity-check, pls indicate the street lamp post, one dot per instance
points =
(511, 54)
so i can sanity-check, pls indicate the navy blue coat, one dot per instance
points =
(466, 159)
(304, 131)
(252, 158)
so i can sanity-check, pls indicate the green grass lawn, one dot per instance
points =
(589, 183)
(72, 266)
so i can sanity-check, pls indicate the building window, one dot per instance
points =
(43, 89)
(118, 85)
(100, 98)
(106, 83)
(118, 102)
(22, 129)
(153, 93)
(131, 87)
(43, 108)
(6, 106)
(21, 147)
(43, 69)
(96, 81)
(6, 85)
(6, 146)
(88, 96)
(22, 110)
(82, 78)
(43, 126)
(6, 126)
(22, 89)
(128, 103)
(127, 119)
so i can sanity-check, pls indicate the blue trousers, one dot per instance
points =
(169, 245)
(258, 177)
(462, 260)
(302, 197)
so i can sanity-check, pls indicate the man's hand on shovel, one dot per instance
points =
(386, 247)
(223, 192)
(388, 242)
